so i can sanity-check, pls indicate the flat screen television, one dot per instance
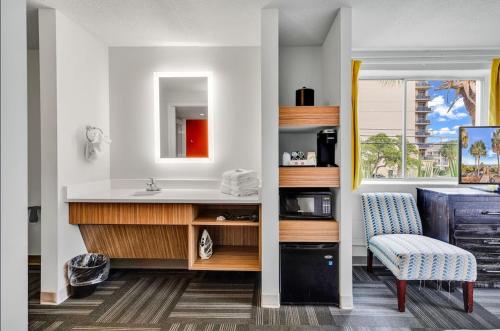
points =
(479, 156)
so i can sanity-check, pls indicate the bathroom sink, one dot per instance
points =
(145, 193)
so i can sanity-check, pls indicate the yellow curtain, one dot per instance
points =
(356, 147)
(495, 93)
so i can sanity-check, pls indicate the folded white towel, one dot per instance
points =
(240, 182)
(251, 182)
(239, 193)
(229, 189)
(238, 175)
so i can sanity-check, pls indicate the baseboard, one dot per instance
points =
(48, 298)
(360, 261)
(270, 300)
(346, 302)
(54, 298)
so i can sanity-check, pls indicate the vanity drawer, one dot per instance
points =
(131, 213)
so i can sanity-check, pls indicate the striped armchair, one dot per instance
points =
(394, 235)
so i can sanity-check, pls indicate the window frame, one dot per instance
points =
(480, 76)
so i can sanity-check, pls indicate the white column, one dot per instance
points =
(270, 157)
(14, 167)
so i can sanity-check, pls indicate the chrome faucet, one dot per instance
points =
(151, 186)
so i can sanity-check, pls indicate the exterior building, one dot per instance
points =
(421, 111)
(380, 106)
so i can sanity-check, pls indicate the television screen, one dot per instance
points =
(479, 155)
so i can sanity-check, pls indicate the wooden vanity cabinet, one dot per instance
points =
(170, 231)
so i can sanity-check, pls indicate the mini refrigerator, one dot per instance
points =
(309, 274)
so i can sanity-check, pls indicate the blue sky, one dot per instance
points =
(476, 134)
(444, 125)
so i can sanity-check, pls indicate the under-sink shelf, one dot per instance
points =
(230, 258)
(209, 217)
(210, 220)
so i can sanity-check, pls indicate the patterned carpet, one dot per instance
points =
(150, 300)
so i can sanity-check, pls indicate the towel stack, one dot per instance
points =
(240, 182)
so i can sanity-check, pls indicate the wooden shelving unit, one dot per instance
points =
(309, 177)
(309, 231)
(308, 116)
(309, 119)
(237, 244)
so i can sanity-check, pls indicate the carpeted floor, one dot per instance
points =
(210, 301)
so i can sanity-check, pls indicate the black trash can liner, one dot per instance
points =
(85, 272)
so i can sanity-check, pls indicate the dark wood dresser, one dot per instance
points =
(468, 218)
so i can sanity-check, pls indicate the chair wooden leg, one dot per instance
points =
(401, 290)
(468, 289)
(369, 261)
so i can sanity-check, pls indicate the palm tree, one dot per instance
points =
(478, 150)
(449, 150)
(465, 89)
(464, 138)
(495, 146)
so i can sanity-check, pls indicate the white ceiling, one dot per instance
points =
(192, 113)
(425, 24)
(380, 24)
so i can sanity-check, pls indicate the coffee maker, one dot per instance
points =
(326, 139)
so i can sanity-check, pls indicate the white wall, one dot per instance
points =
(236, 85)
(298, 67)
(34, 157)
(13, 167)
(336, 61)
(74, 93)
(270, 146)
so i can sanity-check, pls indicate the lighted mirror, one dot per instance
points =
(183, 117)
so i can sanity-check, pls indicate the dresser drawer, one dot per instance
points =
(488, 272)
(477, 230)
(478, 213)
(479, 245)
(478, 238)
(487, 259)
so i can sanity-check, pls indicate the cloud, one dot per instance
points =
(440, 109)
(437, 101)
(443, 132)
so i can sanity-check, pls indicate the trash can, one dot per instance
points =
(85, 272)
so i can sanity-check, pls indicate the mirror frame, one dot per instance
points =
(210, 110)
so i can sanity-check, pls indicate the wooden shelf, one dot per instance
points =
(210, 219)
(230, 258)
(309, 177)
(309, 231)
(308, 116)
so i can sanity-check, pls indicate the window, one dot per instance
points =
(409, 128)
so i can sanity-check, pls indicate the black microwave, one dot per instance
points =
(299, 204)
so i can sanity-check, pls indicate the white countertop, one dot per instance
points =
(106, 194)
